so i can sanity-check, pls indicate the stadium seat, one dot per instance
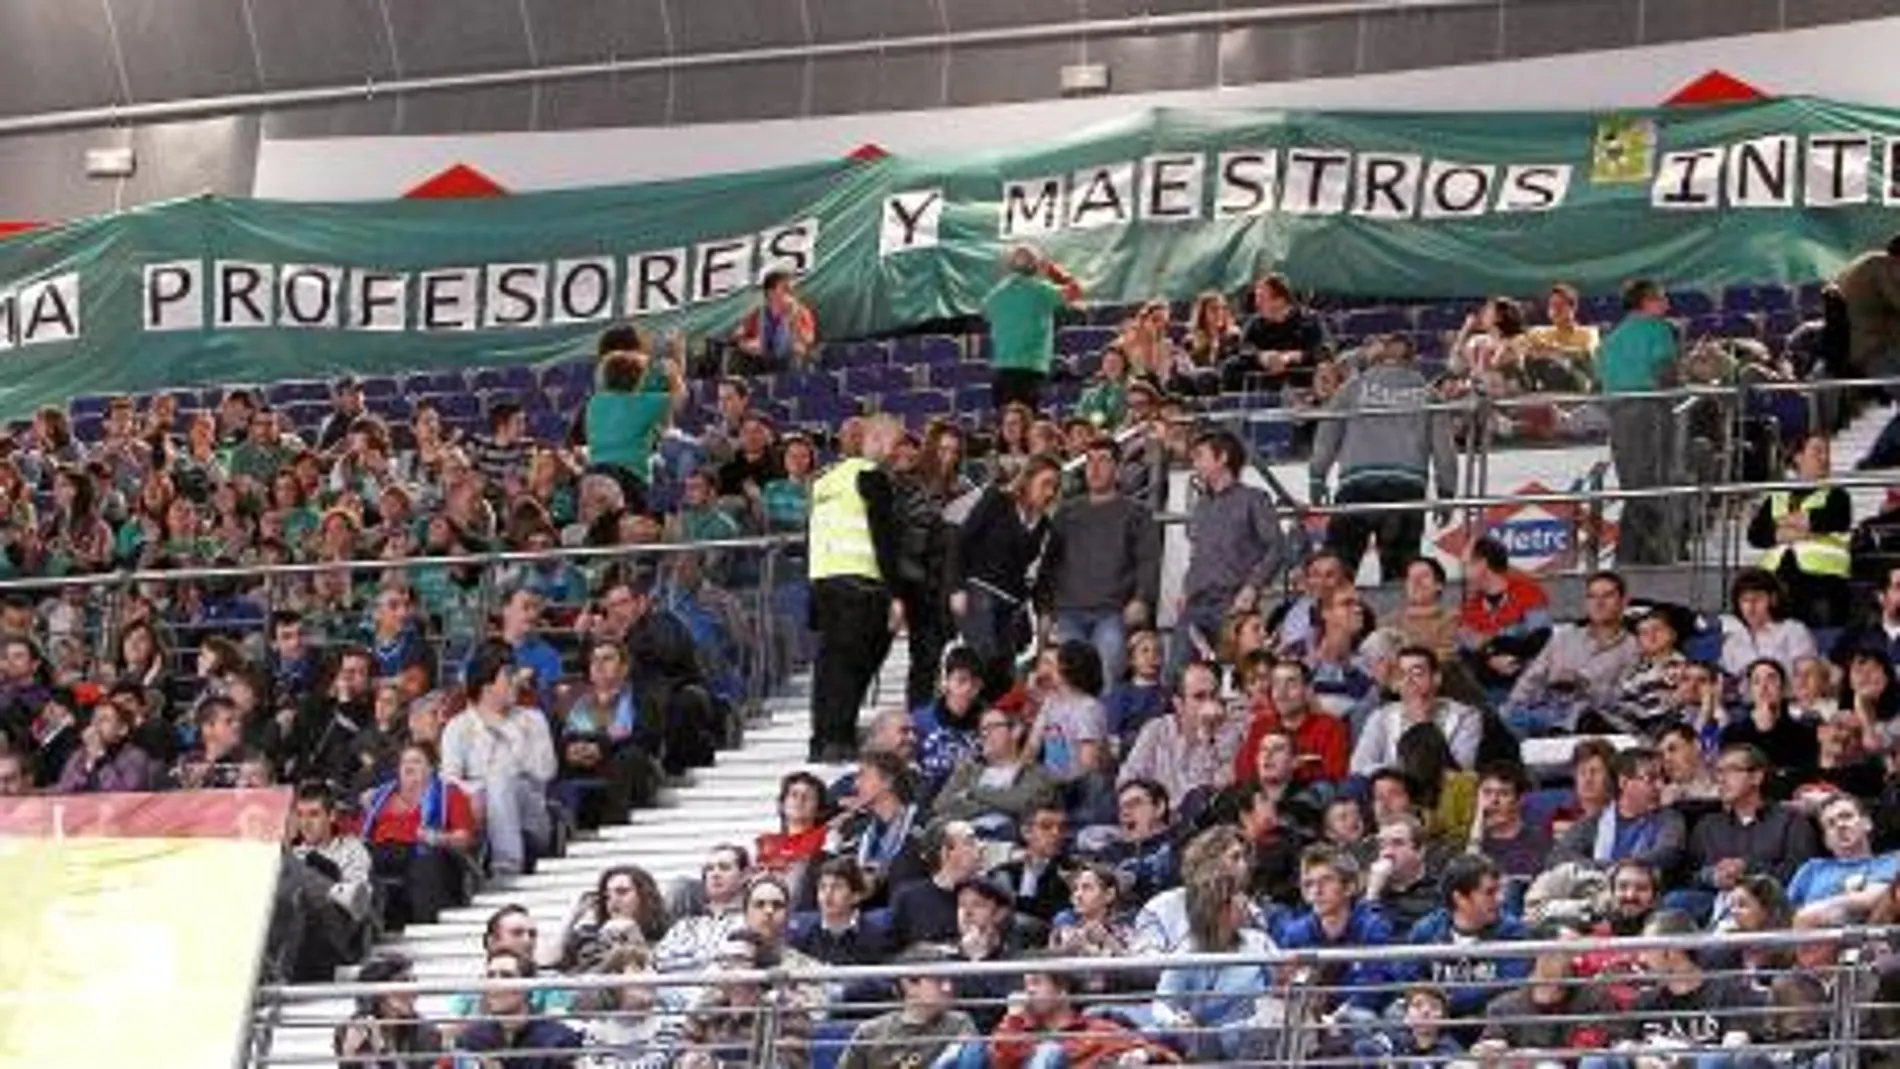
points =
(380, 387)
(516, 380)
(929, 350)
(971, 399)
(1691, 303)
(556, 377)
(434, 384)
(548, 426)
(83, 407)
(1442, 318)
(861, 381)
(1757, 298)
(1376, 321)
(459, 407)
(828, 409)
(952, 376)
(290, 393)
(1075, 341)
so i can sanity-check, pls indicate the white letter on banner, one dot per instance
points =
(174, 296)
(1386, 186)
(1171, 187)
(379, 301)
(1690, 181)
(245, 295)
(1316, 181)
(9, 320)
(792, 247)
(1534, 187)
(1838, 166)
(911, 220)
(49, 310)
(1761, 172)
(1890, 193)
(310, 296)
(1248, 182)
(656, 282)
(447, 298)
(1456, 190)
(1025, 215)
(1102, 196)
(725, 267)
(516, 297)
(583, 290)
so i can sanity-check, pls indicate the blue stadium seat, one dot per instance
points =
(1808, 299)
(289, 393)
(831, 410)
(380, 387)
(91, 405)
(515, 380)
(434, 384)
(460, 407)
(87, 428)
(306, 415)
(927, 350)
(860, 381)
(1757, 298)
(1387, 320)
(974, 398)
(1074, 341)
(918, 407)
(555, 377)
(795, 384)
(1691, 303)
(391, 409)
(952, 376)
(1790, 411)
(549, 426)
(1439, 318)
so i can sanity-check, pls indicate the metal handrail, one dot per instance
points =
(1150, 962)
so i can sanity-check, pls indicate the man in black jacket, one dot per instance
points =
(678, 716)
(325, 738)
(1749, 836)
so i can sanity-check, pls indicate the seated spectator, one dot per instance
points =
(1748, 836)
(625, 907)
(501, 753)
(1161, 924)
(1210, 1008)
(328, 887)
(635, 1024)
(1805, 535)
(1882, 633)
(384, 1031)
(1142, 848)
(1756, 631)
(607, 748)
(1400, 882)
(1070, 729)
(693, 940)
(1281, 344)
(1647, 699)
(804, 824)
(1554, 1012)
(1337, 919)
(1321, 742)
(1472, 913)
(1295, 621)
(1419, 703)
(779, 332)
(1844, 887)
(839, 933)
(740, 482)
(1518, 847)
(510, 1022)
(1092, 926)
(1444, 794)
(1139, 698)
(883, 834)
(215, 761)
(1423, 1041)
(1765, 724)
(926, 911)
(1685, 1006)
(924, 1030)
(105, 760)
(325, 733)
(987, 931)
(950, 727)
(1506, 617)
(1580, 668)
(1423, 618)
(996, 791)
(1842, 763)
(1104, 400)
(1340, 681)
(1038, 875)
(1560, 357)
(891, 731)
(419, 829)
(1274, 772)
(1634, 826)
(1872, 696)
(1191, 753)
(1275, 841)
(1046, 1027)
(395, 638)
(16, 774)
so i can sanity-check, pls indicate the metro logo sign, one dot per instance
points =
(1539, 537)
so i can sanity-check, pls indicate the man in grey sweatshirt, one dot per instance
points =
(1383, 456)
(1104, 566)
(1236, 547)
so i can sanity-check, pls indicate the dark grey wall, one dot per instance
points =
(57, 55)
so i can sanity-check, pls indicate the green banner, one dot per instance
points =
(1164, 203)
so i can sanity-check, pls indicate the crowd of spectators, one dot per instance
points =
(1280, 769)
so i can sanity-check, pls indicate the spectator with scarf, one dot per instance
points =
(418, 828)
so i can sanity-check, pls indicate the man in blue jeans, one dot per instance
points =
(1104, 563)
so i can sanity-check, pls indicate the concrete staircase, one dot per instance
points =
(734, 801)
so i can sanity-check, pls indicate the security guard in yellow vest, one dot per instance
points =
(1806, 536)
(853, 537)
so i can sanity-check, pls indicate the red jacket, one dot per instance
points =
(1320, 735)
(1086, 1042)
(1524, 607)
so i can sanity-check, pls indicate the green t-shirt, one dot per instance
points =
(1021, 310)
(1636, 354)
(623, 427)
(1103, 404)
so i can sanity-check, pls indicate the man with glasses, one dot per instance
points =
(1635, 825)
(996, 791)
(1748, 836)
(1419, 703)
(1322, 745)
(1190, 754)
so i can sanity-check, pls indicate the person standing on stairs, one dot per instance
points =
(855, 540)
(1637, 358)
(1870, 287)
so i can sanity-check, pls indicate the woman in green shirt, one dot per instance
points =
(624, 419)
(1105, 402)
(787, 501)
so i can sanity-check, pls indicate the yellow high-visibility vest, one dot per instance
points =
(1817, 554)
(840, 532)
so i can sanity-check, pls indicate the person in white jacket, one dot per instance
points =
(1418, 677)
(502, 754)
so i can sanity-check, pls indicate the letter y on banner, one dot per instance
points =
(911, 220)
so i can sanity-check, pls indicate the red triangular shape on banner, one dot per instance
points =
(457, 182)
(868, 152)
(1715, 87)
(9, 227)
